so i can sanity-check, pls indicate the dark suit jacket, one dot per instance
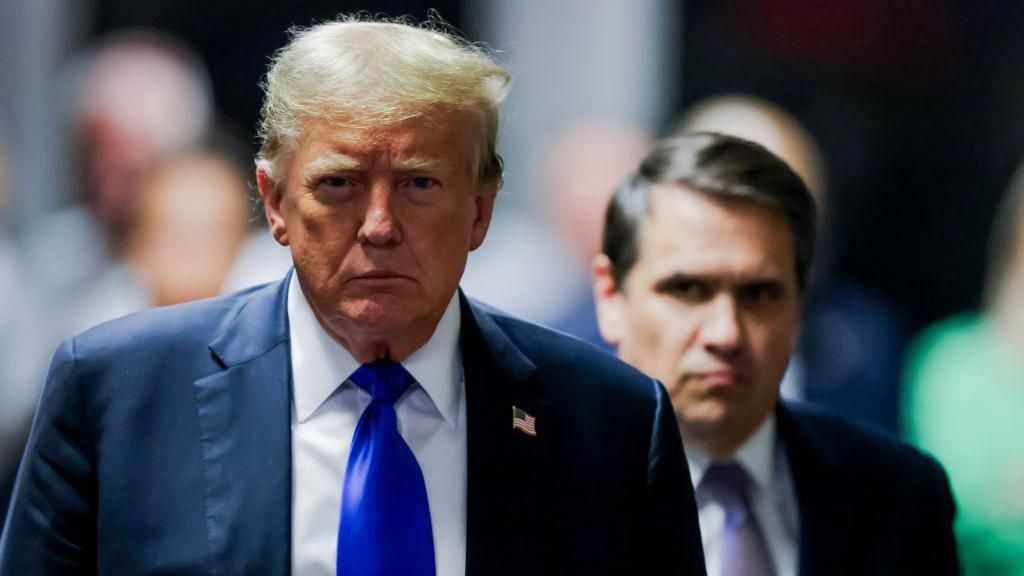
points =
(869, 504)
(162, 446)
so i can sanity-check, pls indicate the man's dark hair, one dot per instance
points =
(722, 167)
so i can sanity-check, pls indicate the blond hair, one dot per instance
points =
(359, 73)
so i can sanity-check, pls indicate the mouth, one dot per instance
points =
(379, 277)
(721, 378)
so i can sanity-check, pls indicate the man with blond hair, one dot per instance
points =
(361, 416)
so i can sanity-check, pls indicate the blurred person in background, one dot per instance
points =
(192, 221)
(707, 250)
(852, 341)
(579, 174)
(22, 351)
(260, 260)
(538, 265)
(965, 400)
(134, 97)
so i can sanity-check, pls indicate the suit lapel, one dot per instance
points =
(825, 499)
(508, 494)
(245, 433)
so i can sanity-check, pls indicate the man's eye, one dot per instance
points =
(335, 181)
(690, 291)
(422, 182)
(758, 293)
(694, 291)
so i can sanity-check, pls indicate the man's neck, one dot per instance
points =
(367, 344)
(755, 454)
(721, 444)
(396, 345)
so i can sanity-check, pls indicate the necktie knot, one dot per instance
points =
(384, 380)
(729, 483)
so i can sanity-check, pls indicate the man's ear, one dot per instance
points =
(483, 197)
(272, 195)
(610, 303)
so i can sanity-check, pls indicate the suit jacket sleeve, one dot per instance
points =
(51, 524)
(673, 534)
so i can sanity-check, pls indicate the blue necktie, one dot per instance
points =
(385, 520)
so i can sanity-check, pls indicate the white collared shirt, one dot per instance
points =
(325, 410)
(772, 497)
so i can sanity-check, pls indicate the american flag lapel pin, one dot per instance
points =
(523, 421)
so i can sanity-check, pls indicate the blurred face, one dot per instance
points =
(380, 223)
(192, 222)
(711, 308)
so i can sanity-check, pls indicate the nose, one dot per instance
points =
(722, 332)
(380, 227)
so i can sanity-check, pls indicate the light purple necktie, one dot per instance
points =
(744, 551)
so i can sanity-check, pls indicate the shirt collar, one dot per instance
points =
(437, 365)
(756, 456)
(320, 364)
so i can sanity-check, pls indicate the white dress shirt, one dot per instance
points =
(325, 410)
(772, 498)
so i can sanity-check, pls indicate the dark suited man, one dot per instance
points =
(361, 416)
(706, 252)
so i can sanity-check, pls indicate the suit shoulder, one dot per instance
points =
(166, 328)
(555, 352)
(868, 451)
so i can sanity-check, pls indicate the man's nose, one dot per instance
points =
(380, 227)
(722, 332)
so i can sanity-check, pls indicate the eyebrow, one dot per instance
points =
(342, 163)
(717, 280)
(421, 164)
(326, 164)
(678, 278)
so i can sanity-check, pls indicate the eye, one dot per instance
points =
(333, 188)
(423, 182)
(693, 291)
(760, 292)
(421, 189)
(335, 181)
(687, 290)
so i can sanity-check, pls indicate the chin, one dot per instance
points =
(374, 314)
(708, 417)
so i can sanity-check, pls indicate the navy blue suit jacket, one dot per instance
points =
(868, 504)
(162, 446)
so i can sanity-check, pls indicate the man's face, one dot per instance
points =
(380, 221)
(710, 308)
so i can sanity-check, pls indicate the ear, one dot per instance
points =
(484, 198)
(610, 303)
(272, 195)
